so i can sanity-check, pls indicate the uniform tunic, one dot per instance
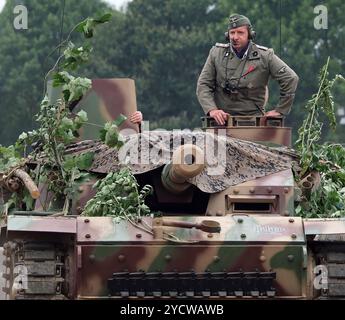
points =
(250, 76)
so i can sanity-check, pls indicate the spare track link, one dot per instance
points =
(34, 271)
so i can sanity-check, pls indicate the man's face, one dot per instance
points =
(239, 37)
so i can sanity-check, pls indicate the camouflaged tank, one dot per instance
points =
(227, 226)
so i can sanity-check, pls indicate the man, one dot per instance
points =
(235, 76)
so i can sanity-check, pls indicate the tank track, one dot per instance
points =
(34, 271)
(330, 252)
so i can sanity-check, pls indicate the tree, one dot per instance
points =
(26, 58)
(163, 46)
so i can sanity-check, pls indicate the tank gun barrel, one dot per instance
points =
(187, 162)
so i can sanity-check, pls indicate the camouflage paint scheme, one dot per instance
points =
(258, 239)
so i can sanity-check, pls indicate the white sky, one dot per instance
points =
(116, 3)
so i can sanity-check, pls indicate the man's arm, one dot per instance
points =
(207, 85)
(287, 80)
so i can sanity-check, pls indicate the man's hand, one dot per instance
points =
(219, 115)
(136, 117)
(273, 113)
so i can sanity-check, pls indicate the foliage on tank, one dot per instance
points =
(328, 199)
(58, 127)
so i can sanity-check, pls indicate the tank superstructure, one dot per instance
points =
(211, 239)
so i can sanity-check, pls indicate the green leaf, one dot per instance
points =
(105, 18)
(84, 161)
(82, 115)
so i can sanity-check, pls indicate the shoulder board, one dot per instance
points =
(262, 47)
(222, 45)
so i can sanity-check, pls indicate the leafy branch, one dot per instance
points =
(118, 195)
(328, 199)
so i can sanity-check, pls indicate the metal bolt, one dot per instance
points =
(138, 235)
(290, 257)
(209, 213)
(240, 220)
(236, 191)
(262, 258)
(210, 235)
(216, 258)
(121, 258)
(291, 220)
(92, 257)
(87, 220)
(286, 190)
(252, 190)
(293, 236)
(88, 236)
(168, 257)
(79, 210)
(219, 213)
(243, 236)
(269, 190)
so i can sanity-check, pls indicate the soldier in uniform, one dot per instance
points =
(235, 76)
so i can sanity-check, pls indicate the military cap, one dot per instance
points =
(238, 20)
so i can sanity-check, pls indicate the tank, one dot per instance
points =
(227, 234)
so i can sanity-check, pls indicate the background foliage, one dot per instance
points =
(163, 44)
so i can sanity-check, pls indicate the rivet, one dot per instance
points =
(290, 257)
(88, 236)
(262, 258)
(286, 213)
(293, 236)
(291, 220)
(210, 235)
(216, 258)
(243, 236)
(168, 257)
(236, 191)
(209, 213)
(269, 190)
(252, 190)
(219, 213)
(286, 190)
(138, 235)
(92, 257)
(87, 220)
(240, 220)
(121, 258)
